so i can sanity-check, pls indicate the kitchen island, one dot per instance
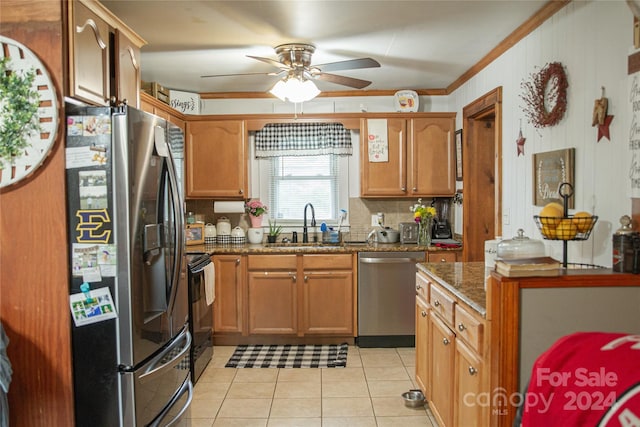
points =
(487, 340)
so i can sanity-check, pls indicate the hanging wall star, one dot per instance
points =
(603, 129)
(520, 141)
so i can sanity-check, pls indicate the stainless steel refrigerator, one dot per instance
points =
(128, 290)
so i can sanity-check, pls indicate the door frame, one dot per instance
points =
(487, 105)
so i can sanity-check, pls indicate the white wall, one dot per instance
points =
(592, 39)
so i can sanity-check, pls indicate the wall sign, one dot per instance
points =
(550, 170)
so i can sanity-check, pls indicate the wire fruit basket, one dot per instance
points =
(566, 227)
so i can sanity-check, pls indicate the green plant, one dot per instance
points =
(18, 111)
(274, 228)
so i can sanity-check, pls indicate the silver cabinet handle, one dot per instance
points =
(237, 261)
(423, 313)
(293, 277)
(446, 341)
(461, 327)
(418, 287)
(443, 260)
(306, 278)
(472, 370)
(436, 303)
(415, 188)
(240, 191)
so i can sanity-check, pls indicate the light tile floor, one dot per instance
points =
(364, 394)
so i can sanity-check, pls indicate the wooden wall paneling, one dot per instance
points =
(34, 307)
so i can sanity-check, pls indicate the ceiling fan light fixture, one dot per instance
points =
(295, 89)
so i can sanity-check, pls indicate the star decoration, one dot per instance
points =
(603, 129)
(520, 143)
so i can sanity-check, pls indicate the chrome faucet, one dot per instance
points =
(305, 233)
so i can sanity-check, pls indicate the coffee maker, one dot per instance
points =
(441, 225)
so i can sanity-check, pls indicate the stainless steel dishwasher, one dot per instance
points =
(387, 298)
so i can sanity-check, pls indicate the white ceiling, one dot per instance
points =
(420, 44)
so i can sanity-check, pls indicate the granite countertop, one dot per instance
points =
(465, 280)
(312, 248)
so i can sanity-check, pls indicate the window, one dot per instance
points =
(295, 181)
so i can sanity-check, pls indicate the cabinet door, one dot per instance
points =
(442, 370)
(127, 70)
(272, 303)
(328, 302)
(469, 409)
(388, 178)
(422, 347)
(216, 159)
(89, 56)
(431, 157)
(228, 305)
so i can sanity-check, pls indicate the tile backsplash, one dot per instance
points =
(359, 214)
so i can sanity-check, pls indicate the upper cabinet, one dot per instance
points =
(216, 159)
(154, 106)
(104, 56)
(419, 161)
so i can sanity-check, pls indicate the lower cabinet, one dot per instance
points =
(229, 291)
(442, 370)
(300, 295)
(328, 295)
(469, 372)
(451, 349)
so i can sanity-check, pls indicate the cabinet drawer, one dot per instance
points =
(327, 262)
(422, 286)
(442, 256)
(469, 328)
(441, 304)
(271, 262)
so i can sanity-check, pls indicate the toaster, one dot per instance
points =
(408, 232)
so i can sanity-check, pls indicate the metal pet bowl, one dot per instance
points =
(413, 398)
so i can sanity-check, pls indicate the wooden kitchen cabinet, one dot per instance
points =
(451, 343)
(469, 407)
(422, 349)
(420, 158)
(216, 159)
(302, 295)
(93, 61)
(442, 256)
(272, 294)
(442, 373)
(327, 288)
(228, 307)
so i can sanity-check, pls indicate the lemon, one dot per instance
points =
(549, 232)
(551, 214)
(583, 221)
(566, 230)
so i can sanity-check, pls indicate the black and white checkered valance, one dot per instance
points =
(303, 139)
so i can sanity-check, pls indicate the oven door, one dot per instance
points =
(200, 315)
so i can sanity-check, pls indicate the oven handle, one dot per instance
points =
(200, 267)
(387, 260)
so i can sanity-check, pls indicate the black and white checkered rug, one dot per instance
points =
(289, 356)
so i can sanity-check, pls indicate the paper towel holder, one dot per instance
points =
(228, 207)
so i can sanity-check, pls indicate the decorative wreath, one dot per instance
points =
(548, 87)
(18, 111)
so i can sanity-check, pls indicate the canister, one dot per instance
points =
(209, 234)
(623, 246)
(223, 226)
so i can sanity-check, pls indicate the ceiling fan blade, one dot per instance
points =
(350, 64)
(270, 62)
(343, 80)
(277, 73)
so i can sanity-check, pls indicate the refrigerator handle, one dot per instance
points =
(178, 232)
(187, 387)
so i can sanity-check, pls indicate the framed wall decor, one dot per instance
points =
(550, 169)
(195, 234)
(459, 155)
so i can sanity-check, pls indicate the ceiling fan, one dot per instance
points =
(294, 61)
